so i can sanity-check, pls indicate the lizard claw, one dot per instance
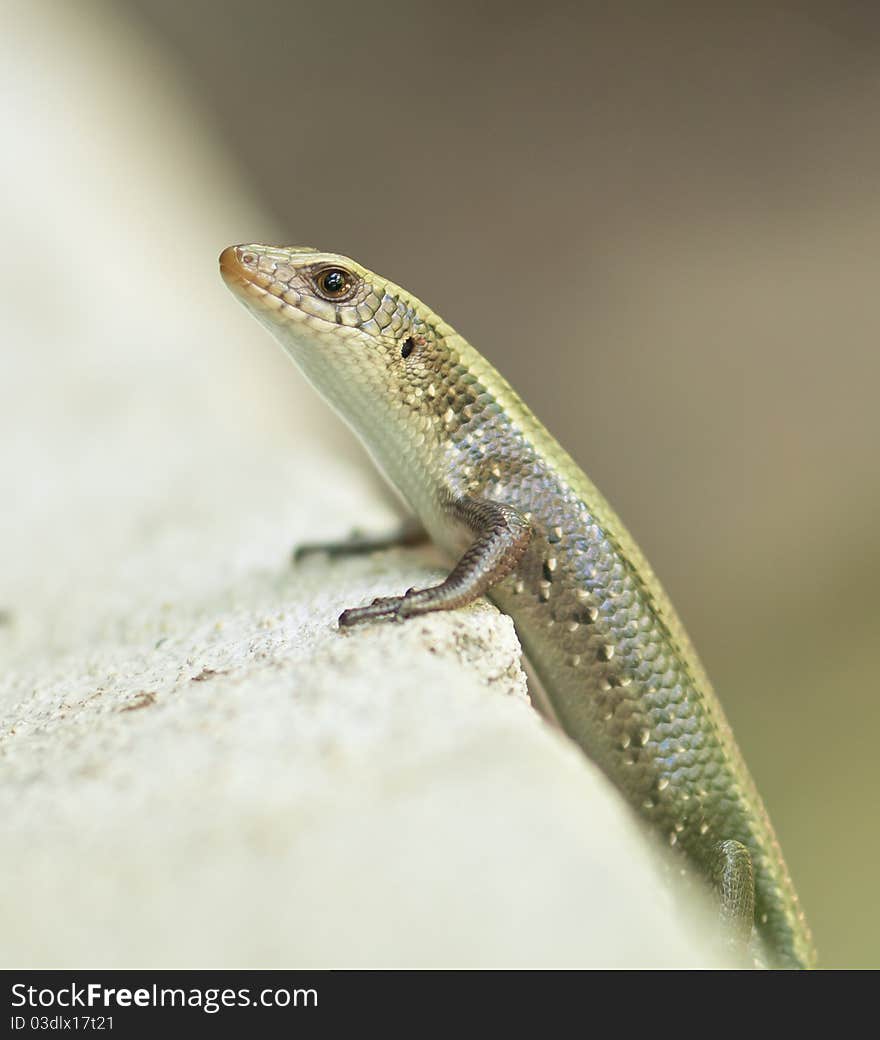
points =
(381, 609)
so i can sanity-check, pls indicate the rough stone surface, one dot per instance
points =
(197, 769)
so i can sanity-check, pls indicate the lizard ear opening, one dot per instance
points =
(407, 347)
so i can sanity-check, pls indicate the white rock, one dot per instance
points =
(197, 769)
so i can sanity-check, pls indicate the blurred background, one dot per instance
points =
(661, 223)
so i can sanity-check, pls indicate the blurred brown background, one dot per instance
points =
(663, 226)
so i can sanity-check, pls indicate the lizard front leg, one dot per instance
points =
(409, 533)
(502, 535)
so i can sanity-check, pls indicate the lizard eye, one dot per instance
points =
(333, 283)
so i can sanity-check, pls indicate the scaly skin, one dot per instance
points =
(486, 479)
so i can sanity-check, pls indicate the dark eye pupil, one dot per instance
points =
(334, 281)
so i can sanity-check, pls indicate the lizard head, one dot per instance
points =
(393, 370)
(374, 351)
(337, 320)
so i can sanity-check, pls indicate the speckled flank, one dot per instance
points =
(619, 669)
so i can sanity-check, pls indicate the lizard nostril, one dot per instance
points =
(239, 264)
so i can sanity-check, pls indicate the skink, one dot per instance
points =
(498, 494)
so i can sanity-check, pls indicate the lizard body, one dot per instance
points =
(498, 494)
